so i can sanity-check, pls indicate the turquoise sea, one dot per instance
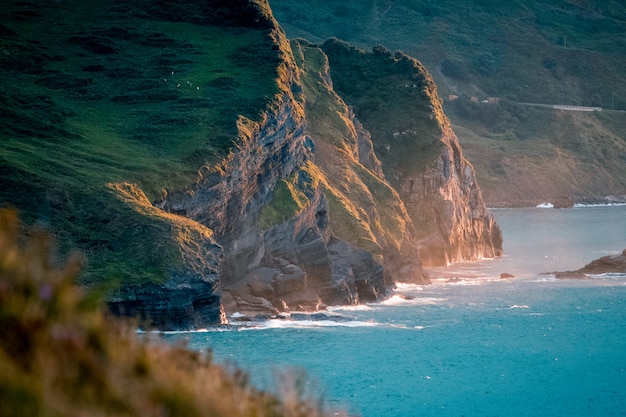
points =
(470, 344)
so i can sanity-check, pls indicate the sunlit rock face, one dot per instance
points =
(368, 211)
(447, 197)
(420, 155)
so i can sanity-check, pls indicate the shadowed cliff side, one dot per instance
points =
(396, 100)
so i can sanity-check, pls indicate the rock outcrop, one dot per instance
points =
(420, 154)
(304, 268)
(611, 264)
(606, 265)
(446, 198)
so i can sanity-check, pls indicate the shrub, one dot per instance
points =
(454, 68)
(485, 63)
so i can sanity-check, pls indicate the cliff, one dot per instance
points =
(237, 172)
(397, 101)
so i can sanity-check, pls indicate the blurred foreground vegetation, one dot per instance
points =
(62, 355)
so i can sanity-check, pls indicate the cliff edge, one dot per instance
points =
(236, 171)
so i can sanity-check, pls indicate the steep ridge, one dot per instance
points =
(396, 99)
(366, 210)
(230, 175)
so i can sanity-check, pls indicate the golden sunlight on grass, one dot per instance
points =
(61, 355)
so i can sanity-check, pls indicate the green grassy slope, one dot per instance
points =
(561, 52)
(94, 94)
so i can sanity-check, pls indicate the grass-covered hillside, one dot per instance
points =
(107, 106)
(521, 51)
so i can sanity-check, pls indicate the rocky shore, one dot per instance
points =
(611, 264)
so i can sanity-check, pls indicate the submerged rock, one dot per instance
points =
(605, 265)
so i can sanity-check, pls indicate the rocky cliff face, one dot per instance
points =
(420, 154)
(367, 210)
(447, 200)
(340, 178)
(296, 265)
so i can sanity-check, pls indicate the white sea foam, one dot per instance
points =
(409, 287)
(545, 205)
(403, 300)
(312, 324)
(543, 277)
(358, 307)
(474, 280)
(514, 306)
(609, 275)
(580, 205)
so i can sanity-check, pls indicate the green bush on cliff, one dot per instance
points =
(287, 201)
(60, 355)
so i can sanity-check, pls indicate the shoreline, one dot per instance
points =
(559, 202)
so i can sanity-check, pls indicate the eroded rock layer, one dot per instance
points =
(225, 169)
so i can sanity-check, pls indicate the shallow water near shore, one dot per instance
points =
(470, 344)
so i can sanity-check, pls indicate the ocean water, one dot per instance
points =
(470, 344)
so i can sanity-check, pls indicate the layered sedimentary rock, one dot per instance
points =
(421, 157)
(192, 211)
(446, 197)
